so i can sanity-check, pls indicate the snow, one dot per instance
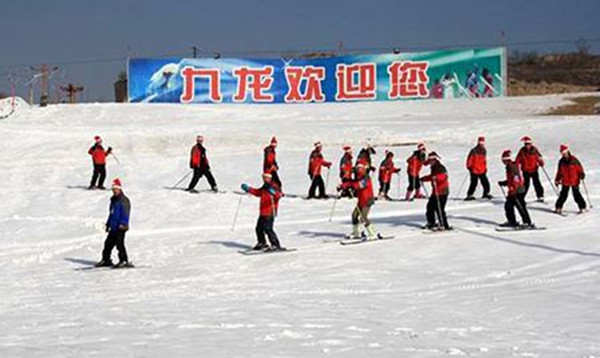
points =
(472, 292)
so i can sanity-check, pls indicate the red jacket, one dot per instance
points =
(198, 158)
(270, 160)
(529, 160)
(98, 154)
(269, 199)
(316, 162)
(439, 179)
(415, 163)
(570, 171)
(364, 190)
(346, 167)
(514, 179)
(386, 169)
(476, 161)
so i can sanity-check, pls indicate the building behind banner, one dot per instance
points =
(473, 73)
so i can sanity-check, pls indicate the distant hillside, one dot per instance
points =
(531, 74)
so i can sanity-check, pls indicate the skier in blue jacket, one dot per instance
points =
(116, 227)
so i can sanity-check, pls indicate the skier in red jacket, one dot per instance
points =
(386, 170)
(477, 166)
(530, 160)
(270, 162)
(440, 187)
(569, 174)
(315, 163)
(415, 164)
(99, 160)
(516, 193)
(363, 187)
(346, 169)
(364, 158)
(269, 194)
(199, 163)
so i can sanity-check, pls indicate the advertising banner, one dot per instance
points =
(473, 73)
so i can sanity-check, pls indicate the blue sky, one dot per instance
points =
(64, 32)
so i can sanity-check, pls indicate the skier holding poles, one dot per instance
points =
(269, 194)
(199, 164)
(386, 170)
(436, 205)
(529, 160)
(569, 174)
(515, 196)
(477, 167)
(270, 162)
(315, 163)
(414, 165)
(99, 160)
(346, 170)
(363, 187)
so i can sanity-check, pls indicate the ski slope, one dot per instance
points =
(473, 292)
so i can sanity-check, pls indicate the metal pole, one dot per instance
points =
(587, 193)
(550, 181)
(237, 211)
(182, 179)
(462, 185)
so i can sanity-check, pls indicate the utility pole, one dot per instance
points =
(45, 74)
(72, 91)
(194, 51)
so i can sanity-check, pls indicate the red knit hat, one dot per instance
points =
(420, 146)
(116, 184)
(506, 154)
(318, 144)
(526, 140)
(564, 148)
(481, 139)
(273, 140)
(347, 148)
(433, 155)
(199, 137)
(97, 139)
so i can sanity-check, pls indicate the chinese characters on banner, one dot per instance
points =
(441, 74)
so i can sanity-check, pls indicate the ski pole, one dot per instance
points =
(327, 180)
(439, 205)
(182, 179)
(333, 208)
(424, 188)
(462, 186)
(550, 181)
(587, 193)
(116, 159)
(237, 211)
(398, 186)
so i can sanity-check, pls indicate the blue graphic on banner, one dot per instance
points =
(440, 74)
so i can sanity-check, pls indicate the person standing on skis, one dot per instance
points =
(477, 167)
(116, 227)
(516, 193)
(346, 170)
(386, 170)
(363, 187)
(569, 174)
(270, 162)
(315, 163)
(99, 160)
(436, 206)
(269, 194)
(199, 164)
(415, 164)
(530, 160)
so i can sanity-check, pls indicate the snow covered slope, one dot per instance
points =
(472, 292)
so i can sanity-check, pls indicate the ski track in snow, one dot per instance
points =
(471, 292)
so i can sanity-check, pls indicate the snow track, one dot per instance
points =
(471, 292)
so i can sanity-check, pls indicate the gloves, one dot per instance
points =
(123, 227)
(557, 182)
(339, 188)
(582, 176)
(245, 187)
(106, 228)
(109, 150)
(542, 163)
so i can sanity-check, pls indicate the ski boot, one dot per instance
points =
(355, 235)
(123, 264)
(371, 233)
(540, 199)
(509, 224)
(469, 198)
(487, 196)
(260, 246)
(103, 263)
(215, 189)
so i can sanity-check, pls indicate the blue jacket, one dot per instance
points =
(119, 213)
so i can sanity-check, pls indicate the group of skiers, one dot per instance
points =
(356, 182)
